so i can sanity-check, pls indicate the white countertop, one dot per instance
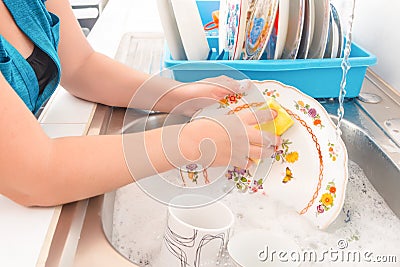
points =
(26, 232)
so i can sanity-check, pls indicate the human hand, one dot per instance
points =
(228, 140)
(200, 94)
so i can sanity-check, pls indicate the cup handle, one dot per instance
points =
(214, 23)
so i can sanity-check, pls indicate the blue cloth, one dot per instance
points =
(43, 28)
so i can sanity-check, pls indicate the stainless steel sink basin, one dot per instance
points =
(153, 121)
(363, 132)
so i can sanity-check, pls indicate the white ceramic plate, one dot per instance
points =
(283, 21)
(310, 169)
(338, 34)
(333, 49)
(259, 28)
(171, 31)
(307, 173)
(308, 28)
(191, 29)
(315, 192)
(241, 33)
(222, 25)
(248, 248)
(276, 42)
(322, 170)
(295, 29)
(321, 28)
(334, 35)
(330, 40)
(232, 26)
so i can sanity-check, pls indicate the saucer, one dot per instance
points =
(256, 248)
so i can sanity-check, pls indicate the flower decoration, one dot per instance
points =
(191, 167)
(310, 111)
(292, 157)
(283, 154)
(271, 93)
(244, 181)
(224, 102)
(327, 199)
(192, 172)
(230, 99)
(332, 151)
(320, 209)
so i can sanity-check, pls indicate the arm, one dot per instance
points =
(86, 73)
(36, 170)
(95, 77)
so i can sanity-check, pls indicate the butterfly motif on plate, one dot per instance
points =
(288, 177)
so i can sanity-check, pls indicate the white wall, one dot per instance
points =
(377, 29)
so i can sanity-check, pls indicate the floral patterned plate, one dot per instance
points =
(259, 27)
(309, 172)
(233, 14)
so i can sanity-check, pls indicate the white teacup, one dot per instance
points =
(195, 234)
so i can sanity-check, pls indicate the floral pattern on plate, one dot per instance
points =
(327, 199)
(244, 181)
(230, 99)
(232, 22)
(310, 153)
(284, 154)
(322, 155)
(271, 93)
(310, 111)
(333, 153)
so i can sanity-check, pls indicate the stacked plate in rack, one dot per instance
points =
(183, 29)
(279, 29)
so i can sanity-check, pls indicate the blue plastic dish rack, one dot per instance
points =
(319, 78)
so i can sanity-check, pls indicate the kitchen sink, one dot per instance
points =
(120, 209)
(119, 226)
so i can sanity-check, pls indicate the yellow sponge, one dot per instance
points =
(282, 121)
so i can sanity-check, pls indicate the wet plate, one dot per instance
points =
(309, 172)
(303, 184)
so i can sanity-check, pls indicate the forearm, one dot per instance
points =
(73, 168)
(47, 172)
(81, 167)
(103, 80)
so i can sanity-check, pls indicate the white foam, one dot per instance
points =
(370, 225)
